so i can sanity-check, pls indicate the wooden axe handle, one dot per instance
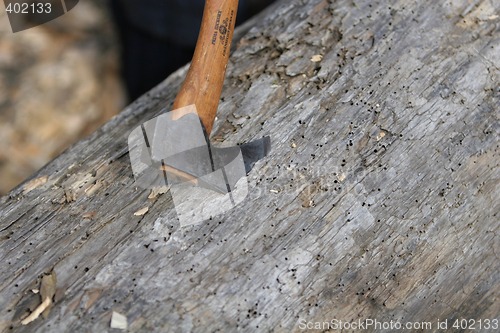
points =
(203, 84)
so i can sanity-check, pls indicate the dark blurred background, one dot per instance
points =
(159, 36)
(62, 80)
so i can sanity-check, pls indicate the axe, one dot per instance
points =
(175, 147)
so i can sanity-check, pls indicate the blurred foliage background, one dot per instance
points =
(59, 82)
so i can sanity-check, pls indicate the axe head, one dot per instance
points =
(164, 151)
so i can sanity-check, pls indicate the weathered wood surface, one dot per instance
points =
(379, 199)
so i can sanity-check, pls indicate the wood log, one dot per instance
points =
(379, 200)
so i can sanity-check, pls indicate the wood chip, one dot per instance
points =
(93, 188)
(88, 215)
(118, 321)
(48, 290)
(35, 314)
(317, 58)
(158, 190)
(141, 211)
(70, 196)
(33, 184)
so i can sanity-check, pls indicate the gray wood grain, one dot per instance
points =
(379, 200)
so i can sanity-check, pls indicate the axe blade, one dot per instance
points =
(179, 151)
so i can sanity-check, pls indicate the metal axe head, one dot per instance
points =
(167, 151)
